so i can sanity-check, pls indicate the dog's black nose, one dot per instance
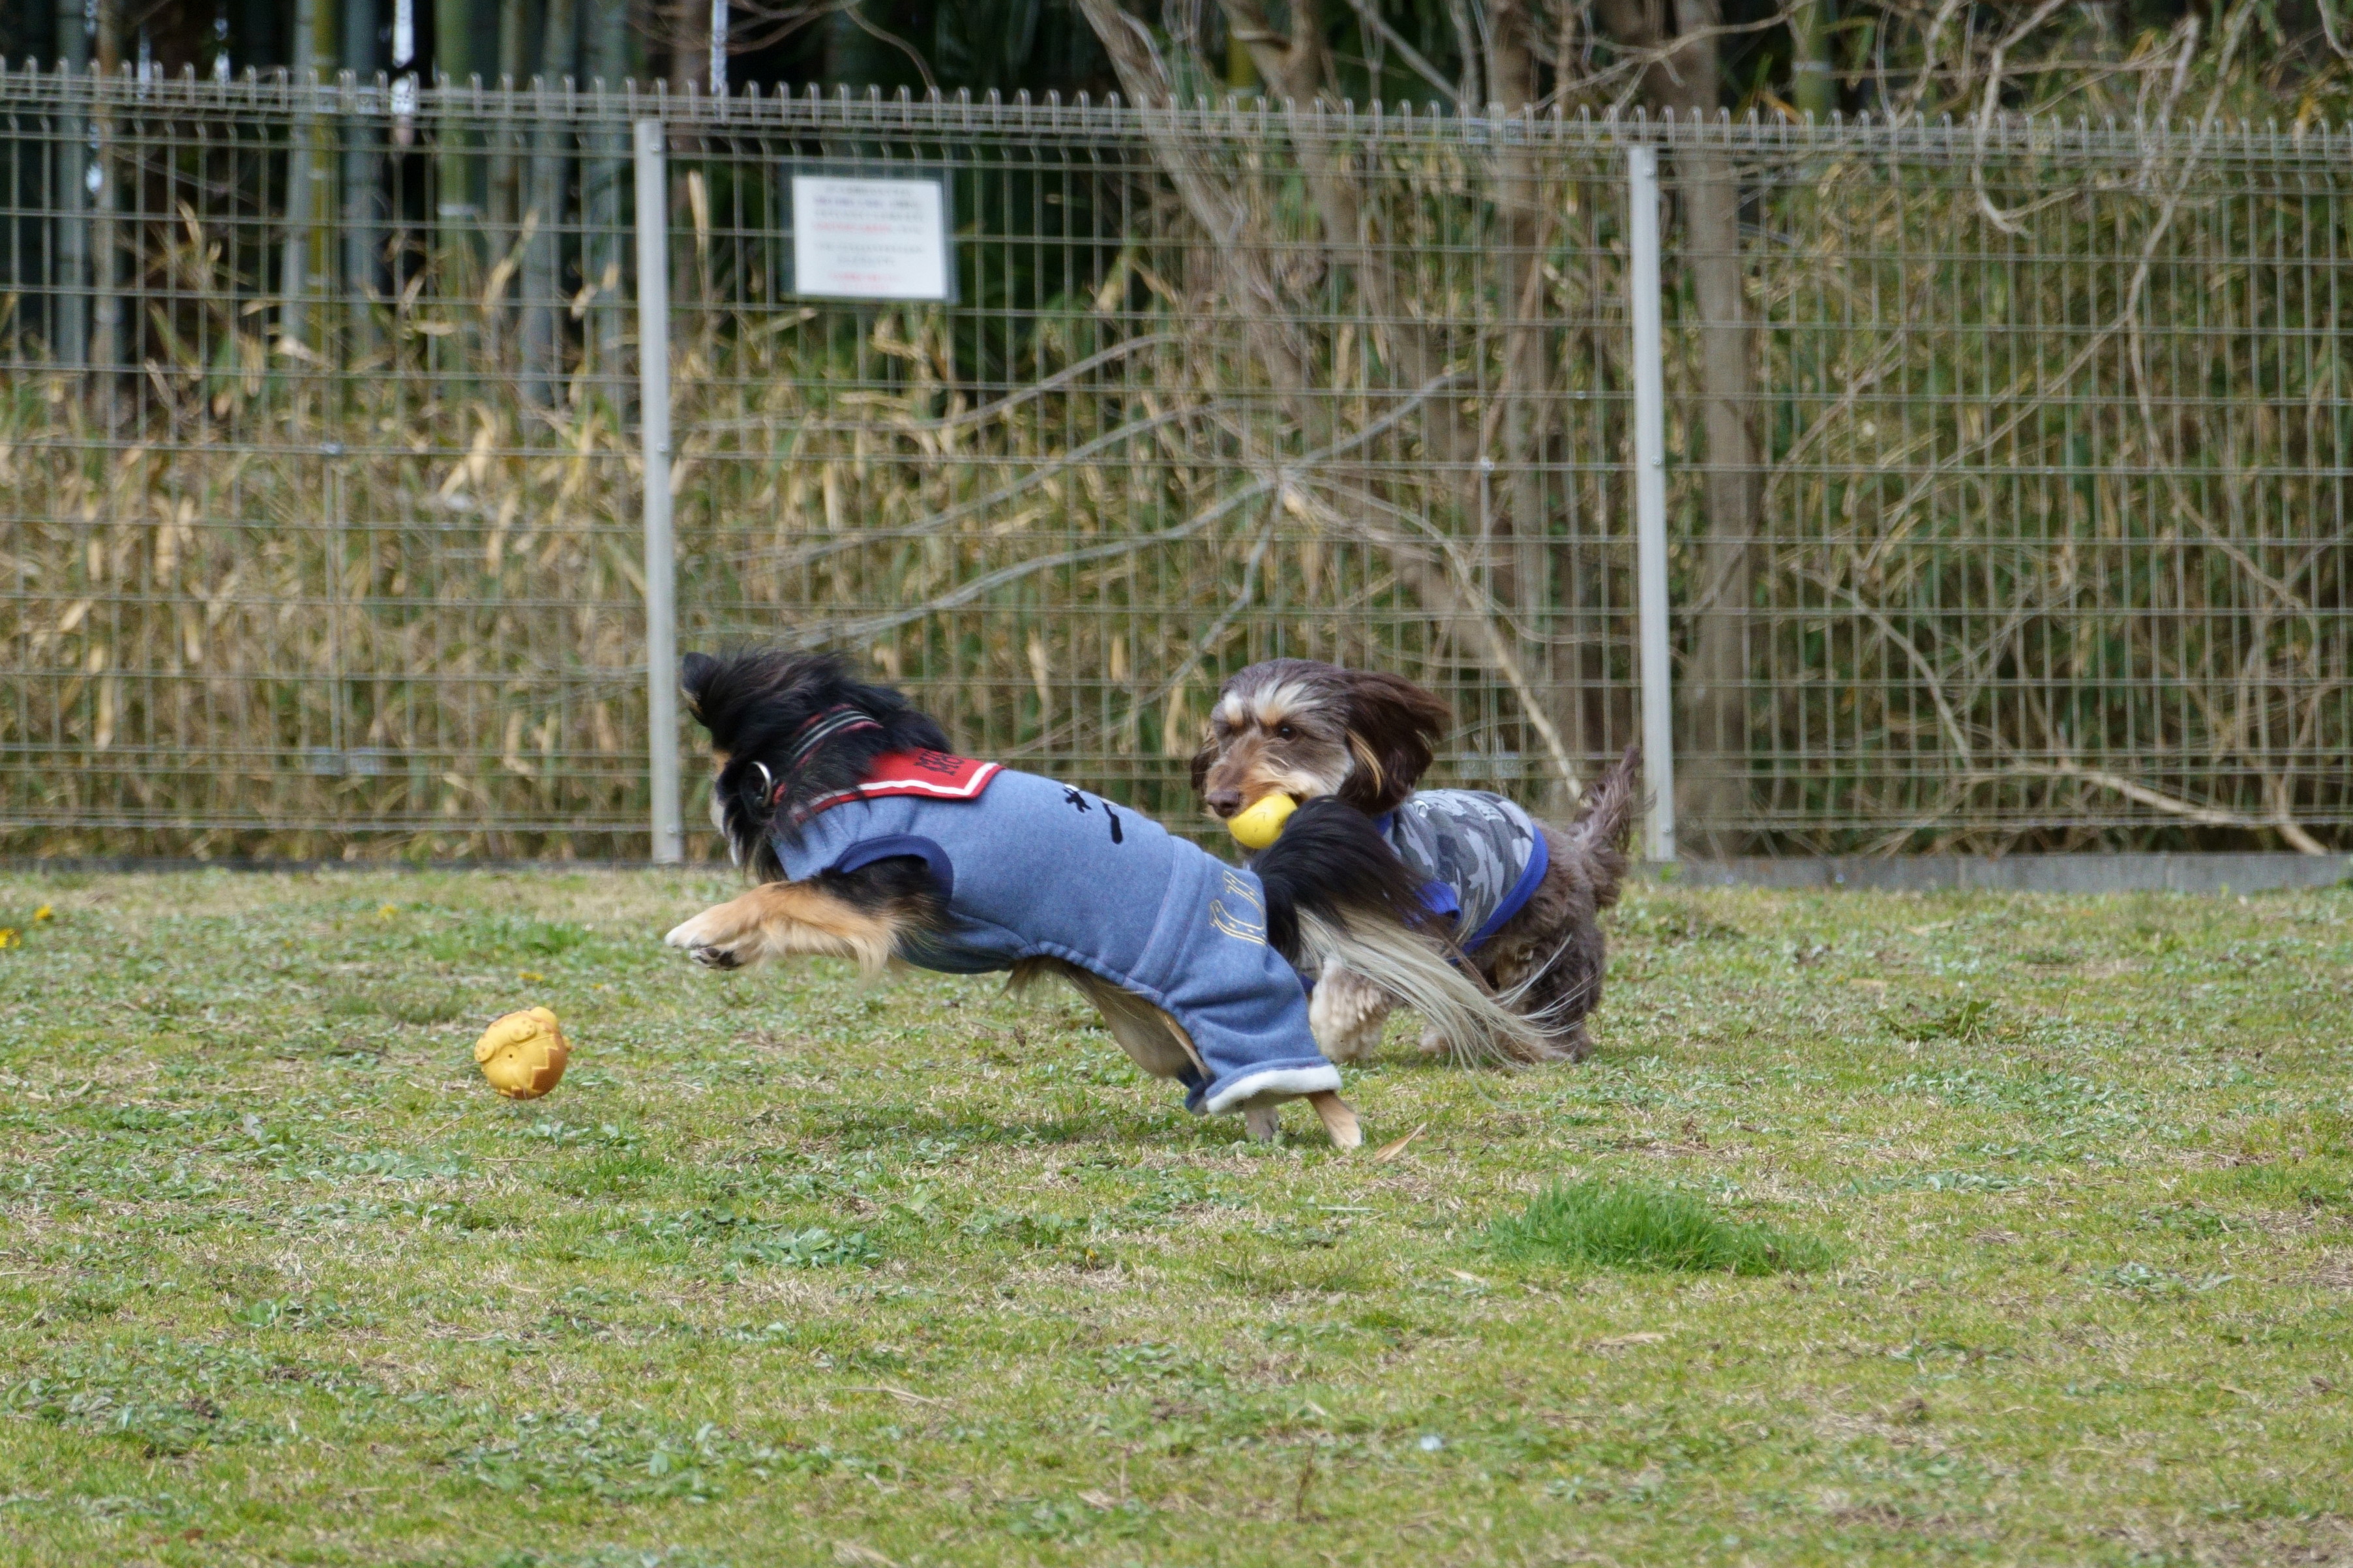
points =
(1225, 802)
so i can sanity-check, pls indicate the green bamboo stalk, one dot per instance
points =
(1814, 87)
(608, 59)
(550, 174)
(457, 172)
(308, 176)
(362, 182)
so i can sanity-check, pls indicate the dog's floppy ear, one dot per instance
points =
(1393, 729)
(694, 673)
(1205, 756)
(1203, 760)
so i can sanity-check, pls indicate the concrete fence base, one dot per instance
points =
(2023, 873)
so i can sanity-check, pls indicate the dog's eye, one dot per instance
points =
(1285, 732)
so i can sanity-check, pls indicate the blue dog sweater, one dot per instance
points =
(1480, 857)
(1028, 867)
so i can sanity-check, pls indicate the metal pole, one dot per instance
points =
(1651, 501)
(653, 433)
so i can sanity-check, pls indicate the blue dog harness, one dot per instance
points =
(1029, 868)
(1479, 855)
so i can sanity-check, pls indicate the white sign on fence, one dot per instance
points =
(870, 240)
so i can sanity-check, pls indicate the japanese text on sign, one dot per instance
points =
(869, 239)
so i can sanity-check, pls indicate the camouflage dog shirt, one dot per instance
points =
(1480, 857)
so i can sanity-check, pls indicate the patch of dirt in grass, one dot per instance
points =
(2336, 1271)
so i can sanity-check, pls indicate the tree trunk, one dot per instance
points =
(106, 347)
(307, 176)
(690, 48)
(1716, 697)
(457, 167)
(363, 184)
(550, 170)
(1295, 69)
(608, 57)
(70, 298)
(506, 164)
(1712, 771)
(1522, 531)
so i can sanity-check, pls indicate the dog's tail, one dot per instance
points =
(1337, 894)
(1605, 823)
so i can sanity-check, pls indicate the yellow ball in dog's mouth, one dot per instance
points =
(524, 1054)
(1262, 823)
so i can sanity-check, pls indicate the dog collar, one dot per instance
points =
(842, 719)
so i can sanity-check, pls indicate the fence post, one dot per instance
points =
(1650, 502)
(653, 435)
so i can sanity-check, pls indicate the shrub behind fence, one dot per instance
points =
(319, 467)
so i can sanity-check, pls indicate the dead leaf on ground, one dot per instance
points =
(911, 1396)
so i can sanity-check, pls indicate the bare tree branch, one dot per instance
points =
(1994, 214)
(1368, 12)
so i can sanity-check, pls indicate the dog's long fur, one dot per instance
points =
(1314, 730)
(1343, 892)
(1335, 896)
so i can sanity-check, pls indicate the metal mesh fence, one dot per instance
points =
(2006, 507)
(2054, 441)
(320, 520)
(1141, 451)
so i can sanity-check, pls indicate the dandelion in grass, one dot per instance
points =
(1610, 1225)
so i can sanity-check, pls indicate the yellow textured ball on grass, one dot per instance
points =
(524, 1054)
(1261, 825)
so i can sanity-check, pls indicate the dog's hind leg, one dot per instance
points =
(1159, 1045)
(1260, 1119)
(1557, 987)
(1339, 1121)
(1152, 1039)
(1346, 1014)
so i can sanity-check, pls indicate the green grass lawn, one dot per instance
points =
(2023, 1227)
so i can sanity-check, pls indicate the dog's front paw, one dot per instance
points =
(711, 942)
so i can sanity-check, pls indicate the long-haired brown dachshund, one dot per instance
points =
(871, 843)
(1524, 897)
